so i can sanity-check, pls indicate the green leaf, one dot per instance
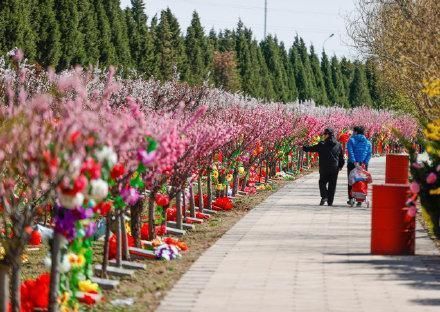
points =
(137, 182)
(141, 168)
(119, 203)
(152, 145)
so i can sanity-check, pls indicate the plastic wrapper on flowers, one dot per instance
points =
(167, 252)
(223, 203)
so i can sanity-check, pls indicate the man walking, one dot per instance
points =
(331, 161)
(359, 153)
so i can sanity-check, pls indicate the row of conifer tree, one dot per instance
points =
(62, 33)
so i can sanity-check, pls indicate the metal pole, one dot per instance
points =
(265, 18)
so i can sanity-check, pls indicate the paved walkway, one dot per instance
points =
(289, 254)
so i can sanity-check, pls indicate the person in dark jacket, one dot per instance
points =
(359, 153)
(331, 161)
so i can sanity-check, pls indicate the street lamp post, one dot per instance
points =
(323, 45)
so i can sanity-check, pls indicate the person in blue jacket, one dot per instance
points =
(359, 153)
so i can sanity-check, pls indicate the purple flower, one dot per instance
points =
(90, 229)
(130, 195)
(431, 178)
(146, 158)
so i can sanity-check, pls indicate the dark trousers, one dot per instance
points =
(330, 179)
(350, 167)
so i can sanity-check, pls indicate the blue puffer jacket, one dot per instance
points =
(359, 149)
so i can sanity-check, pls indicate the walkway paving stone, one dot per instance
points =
(289, 254)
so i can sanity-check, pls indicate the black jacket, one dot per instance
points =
(331, 156)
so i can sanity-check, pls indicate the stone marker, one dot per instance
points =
(114, 271)
(129, 265)
(106, 284)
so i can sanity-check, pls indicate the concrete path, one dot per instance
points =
(289, 254)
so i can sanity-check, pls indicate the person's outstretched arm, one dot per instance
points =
(314, 148)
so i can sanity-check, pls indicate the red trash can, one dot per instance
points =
(397, 168)
(392, 231)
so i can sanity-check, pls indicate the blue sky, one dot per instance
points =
(314, 20)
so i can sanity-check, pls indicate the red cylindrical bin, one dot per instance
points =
(392, 232)
(397, 169)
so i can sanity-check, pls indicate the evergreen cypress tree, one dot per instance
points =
(15, 27)
(276, 68)
(302, 83)
(178, 43)
(310, 85)
(164, 49)
(328, 81)
(140, 38)
(72, 45)
(267, 88)
(338, 82)
(246, 64)
(48, 47)
(226, 40)
(373, 82)
(107, 50)
(196, 49)
(359, 93)
(213, 39)
(321, 93)
(88, 27)
(119, 32)
(347, 70)
(290, 74)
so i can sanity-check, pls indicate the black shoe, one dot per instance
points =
(350, 202)
(330, 204)
(359, 204)
(323, 201)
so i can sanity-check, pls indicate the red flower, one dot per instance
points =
(79, 184)
(170, 241)
(87, 300)
(74, 137)
(182, 246)
(161, 230)
(35, 238)
(113, 244)
(103, 208)
(204, 200)
(51, 163)
(91, 168)
(224, 203)
(117, 171)
(162, 200)
(171, 214)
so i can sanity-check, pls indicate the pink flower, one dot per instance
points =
(417, 165)
(411, 211)
(414, 187)
(431, 178)
(438, 168)
(130, 195)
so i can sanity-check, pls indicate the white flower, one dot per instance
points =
(75, 167)
(65, 265)
(70, 202)
(99, 189)
(107, 154)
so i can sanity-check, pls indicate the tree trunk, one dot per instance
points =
(118, 241)
(151, 224)
(200, 192)
(135, 221)
(209, 187)
(183, 206)
(4, 287)
(235, 183)
(15, 285)
(245, 180)
(55, 273)
(106, 246)
(179, 210)
(125, 248)
(192, 210)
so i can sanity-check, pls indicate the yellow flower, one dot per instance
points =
(75, 260)
(220, 187)
(88, 286)
(229, 177)
(431, 87)
(64, 298)
(241, 170)
(215, 174)
(435, 191)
